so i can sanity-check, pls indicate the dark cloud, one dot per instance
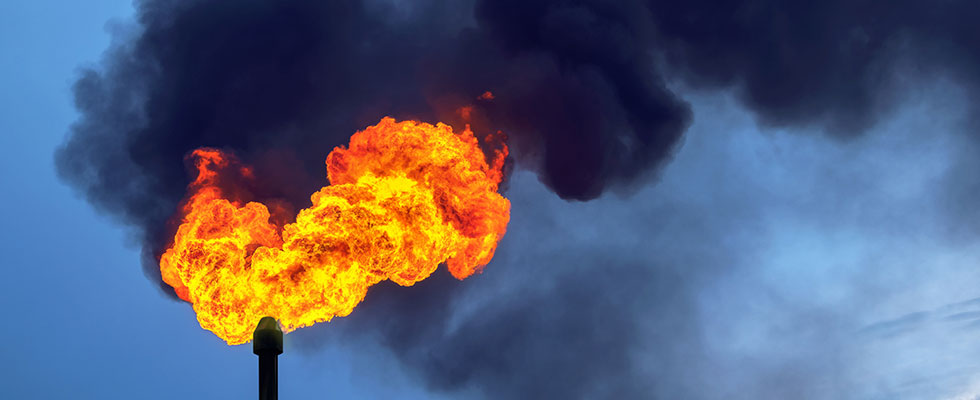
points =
(580, 89)
(574, 335)
(555, 317)
(576, 83)
(834, 64)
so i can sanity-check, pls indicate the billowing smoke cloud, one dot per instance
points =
(559, 316)
(580, 88)
(834, 64)
(577, 85)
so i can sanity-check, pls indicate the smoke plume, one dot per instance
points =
(580, 87)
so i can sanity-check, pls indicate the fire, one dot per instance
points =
(403, 198)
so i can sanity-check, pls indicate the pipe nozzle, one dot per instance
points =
(267, 338)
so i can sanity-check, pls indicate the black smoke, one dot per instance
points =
(834, 64)
(580, 88)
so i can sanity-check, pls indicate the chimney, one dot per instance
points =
(267, 344)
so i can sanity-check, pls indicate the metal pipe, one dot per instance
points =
(267, 344)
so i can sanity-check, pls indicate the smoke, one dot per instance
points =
(580, 87)
(837, 65)
(558, 316)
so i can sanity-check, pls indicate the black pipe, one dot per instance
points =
(267, 344)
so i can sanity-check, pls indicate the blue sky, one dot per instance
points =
(812, 267)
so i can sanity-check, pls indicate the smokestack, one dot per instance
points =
(267, 344)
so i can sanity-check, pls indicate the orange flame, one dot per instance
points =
(403, 198)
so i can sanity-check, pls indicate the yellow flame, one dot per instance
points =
(404, 197)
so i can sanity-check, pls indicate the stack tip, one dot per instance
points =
(267, 338)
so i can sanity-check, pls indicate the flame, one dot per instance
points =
(403, 198)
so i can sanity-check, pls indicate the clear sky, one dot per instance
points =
(811, 267)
